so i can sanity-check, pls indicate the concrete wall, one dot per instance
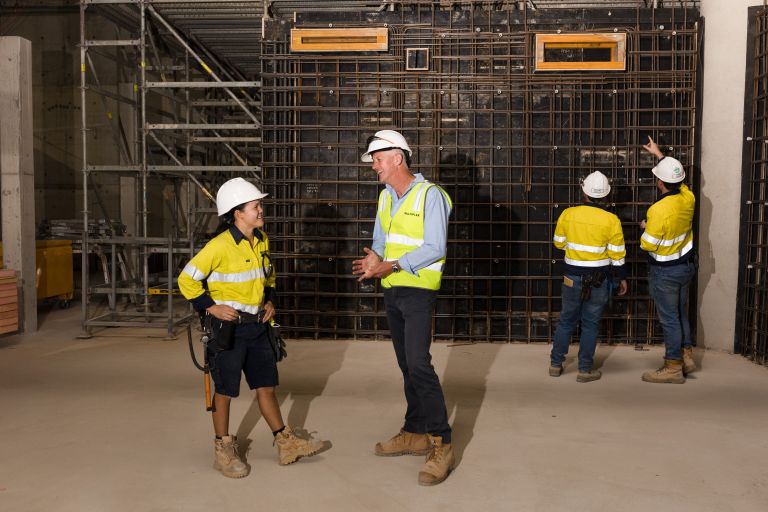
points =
(56, 109)
(57, 122)
(725, 49)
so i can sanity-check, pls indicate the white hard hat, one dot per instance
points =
(385, 139)
(669, 170)
(236, 192)
(596, 185)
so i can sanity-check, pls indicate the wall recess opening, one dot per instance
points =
(417, 59)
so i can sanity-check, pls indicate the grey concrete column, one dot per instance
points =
(17, 173)
(721, 147)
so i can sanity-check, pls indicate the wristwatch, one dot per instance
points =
(395, 266)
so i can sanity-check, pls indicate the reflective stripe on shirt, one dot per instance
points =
(665, 243)
(586, 248)
(193, 271)
(240, 306)
(581, 263)
(239, 277)
(670, 257)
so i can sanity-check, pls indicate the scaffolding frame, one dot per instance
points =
(180, 137)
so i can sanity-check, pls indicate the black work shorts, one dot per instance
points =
(251, 354)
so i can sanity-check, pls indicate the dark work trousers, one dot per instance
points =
(409, 313)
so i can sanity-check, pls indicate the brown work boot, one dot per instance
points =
(689, 365)
(555, 371)
(589, 376)
(440, 461)
(291, 448)
(227, 460)
(670, 373)
(404, 443)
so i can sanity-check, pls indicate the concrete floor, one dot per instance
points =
(117, 423)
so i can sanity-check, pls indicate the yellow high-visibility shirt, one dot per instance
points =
(235, 271)
(668, 235)
(591, 238)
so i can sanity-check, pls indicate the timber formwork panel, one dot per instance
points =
(509, 144)
(752, 309)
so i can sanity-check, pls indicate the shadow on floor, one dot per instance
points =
(602, 354)
(464, 385)
(306, 381)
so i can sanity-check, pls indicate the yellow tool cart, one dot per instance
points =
(54, 270)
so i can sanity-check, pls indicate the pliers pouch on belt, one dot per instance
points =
(589, 281)
(222, 332)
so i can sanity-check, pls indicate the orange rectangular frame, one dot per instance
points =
(617, 42)
(374, 39)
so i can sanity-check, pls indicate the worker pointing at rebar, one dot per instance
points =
(668, 239)
(238, 301)
(408, 255)
(594, 262)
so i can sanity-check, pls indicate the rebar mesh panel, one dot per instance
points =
(509, 145)
(752, 317)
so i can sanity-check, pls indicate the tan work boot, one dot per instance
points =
(670, 373)
(404, 443)
(689, 365)
(555, 371)
(227, 460)
(291, 448)
(439, 463)
(589, 376)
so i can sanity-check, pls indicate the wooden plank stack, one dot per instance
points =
(9, 302)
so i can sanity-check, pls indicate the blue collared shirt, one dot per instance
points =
(436, 212)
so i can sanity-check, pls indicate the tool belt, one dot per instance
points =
(222, 332)
(248, 318)
(589, 281)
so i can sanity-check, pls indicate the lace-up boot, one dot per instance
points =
(440, 462)
(689, 365)
(404, 443)
(670, 373)
(291, 448)
(588, 376)
(227, 459)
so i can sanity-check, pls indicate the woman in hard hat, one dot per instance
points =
(594, 256)
(240, 293)
(668, 239)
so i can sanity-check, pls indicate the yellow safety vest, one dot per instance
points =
(591, 237)
(668, 234)
(236, 273)
(404, 233)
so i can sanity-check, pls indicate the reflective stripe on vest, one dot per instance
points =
(405, 232)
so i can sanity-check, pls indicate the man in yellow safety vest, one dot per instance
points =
(408, 255)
